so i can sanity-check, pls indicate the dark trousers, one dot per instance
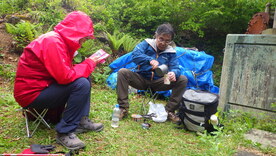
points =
(75, 95)
(127, 77)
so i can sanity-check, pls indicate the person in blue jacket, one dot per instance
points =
(149, 55)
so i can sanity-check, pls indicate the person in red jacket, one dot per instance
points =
(47, 78)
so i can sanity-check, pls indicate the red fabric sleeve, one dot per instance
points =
(58, 62)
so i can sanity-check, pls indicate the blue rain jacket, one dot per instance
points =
(146, 51)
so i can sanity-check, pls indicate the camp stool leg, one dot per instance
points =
(39, 118)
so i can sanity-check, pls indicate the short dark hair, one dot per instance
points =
(165, 28)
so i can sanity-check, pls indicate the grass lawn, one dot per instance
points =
(130, 138)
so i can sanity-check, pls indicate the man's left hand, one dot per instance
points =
(171, 76)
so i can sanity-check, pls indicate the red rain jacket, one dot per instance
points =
(48, 58)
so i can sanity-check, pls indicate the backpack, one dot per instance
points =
(196, 108)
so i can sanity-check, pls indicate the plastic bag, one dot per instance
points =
(112, 80)
(159, 111)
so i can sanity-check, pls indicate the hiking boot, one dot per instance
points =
(69, 140)
(123, 114)
(173, 117)
(87, 125)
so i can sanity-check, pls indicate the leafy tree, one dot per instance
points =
(203, 24)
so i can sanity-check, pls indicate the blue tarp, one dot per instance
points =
(196, 66)
(124, 61)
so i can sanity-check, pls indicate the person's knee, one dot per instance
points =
(123, 71)
(83, 84)
(182, 80)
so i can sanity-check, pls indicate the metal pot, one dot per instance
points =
(161, 70)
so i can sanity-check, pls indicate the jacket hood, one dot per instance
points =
(73, 27)
(152, 43)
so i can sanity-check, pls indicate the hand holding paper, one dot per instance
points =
(99, 56)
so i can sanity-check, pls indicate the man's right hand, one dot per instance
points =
(154, 64)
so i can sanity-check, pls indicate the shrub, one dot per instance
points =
(9, 7)
(23, 33)
(48, 19)
(116, 41)
(101, 73)
(129, 44)
(88, 48)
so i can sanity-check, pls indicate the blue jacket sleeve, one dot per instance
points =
(174, 65)
(139, 55)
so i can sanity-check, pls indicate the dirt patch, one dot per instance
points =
(242, 151)
(6, 57)
(267, 139)
(6, 39)
(5, 45)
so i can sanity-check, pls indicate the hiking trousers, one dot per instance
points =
(128, 78)
(76, 98)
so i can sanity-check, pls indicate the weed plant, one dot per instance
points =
(116, 41)
(7, 72)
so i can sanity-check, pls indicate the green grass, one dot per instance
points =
(129, 138)
(7, 71)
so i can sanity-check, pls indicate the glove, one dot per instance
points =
(41, 149)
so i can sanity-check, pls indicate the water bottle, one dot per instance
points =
(115, 116)
(214, 120)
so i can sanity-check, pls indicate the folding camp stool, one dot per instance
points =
(39, 118)
(150, 95)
